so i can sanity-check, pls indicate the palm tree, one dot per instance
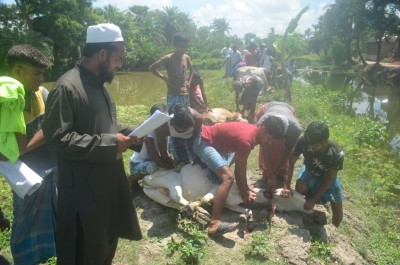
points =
(220, 26)
(280, 47)
(139, 13)
(171, 22)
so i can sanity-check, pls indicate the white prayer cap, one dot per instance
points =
(103, 33)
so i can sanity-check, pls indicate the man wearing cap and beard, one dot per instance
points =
(80, 126)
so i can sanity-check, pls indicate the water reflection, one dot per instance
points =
(375, 101)
(134, 88)
(137, 88)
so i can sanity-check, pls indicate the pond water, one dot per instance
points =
(377, 102)
(134, 88)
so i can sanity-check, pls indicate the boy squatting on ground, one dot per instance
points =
(317, 179)
(216, 146)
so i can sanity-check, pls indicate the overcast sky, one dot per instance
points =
(256, 16)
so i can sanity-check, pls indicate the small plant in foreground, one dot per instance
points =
(321, 251)
(52, 261)
(258, 248)
(191, 244)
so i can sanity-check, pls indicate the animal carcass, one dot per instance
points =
(191, 188)
(221, 115)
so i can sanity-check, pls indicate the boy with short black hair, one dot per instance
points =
(317, 178)
(33, 230)
(177, 64)
(177, 79)
(184, 125)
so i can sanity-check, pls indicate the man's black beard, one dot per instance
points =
(105, 74)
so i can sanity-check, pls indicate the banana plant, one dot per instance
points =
(283, 55)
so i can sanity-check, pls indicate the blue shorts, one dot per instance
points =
(145, 167)
(211, 157)
(333, 194)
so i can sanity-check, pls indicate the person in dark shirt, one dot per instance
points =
(275, 162)
(317, 179)
(81, 127)
(247, 87)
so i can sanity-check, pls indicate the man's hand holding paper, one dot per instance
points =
(156, 120)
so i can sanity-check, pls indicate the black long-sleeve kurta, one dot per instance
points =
(80, 126)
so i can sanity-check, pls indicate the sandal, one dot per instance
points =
(224, 228)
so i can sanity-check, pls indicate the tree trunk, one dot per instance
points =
(359, 52)
(22, 7)
(378, 52)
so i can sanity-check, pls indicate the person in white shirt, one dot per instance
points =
(225, 52)
(148, 159)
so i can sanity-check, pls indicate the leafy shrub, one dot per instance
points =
(258, 248)
(191, 243)
(209, 64)
(321, 251)
(371, 132)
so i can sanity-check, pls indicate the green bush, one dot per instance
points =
(191, 244)
(259, 248)
(321, 251)
(371, 132)
(209, 64)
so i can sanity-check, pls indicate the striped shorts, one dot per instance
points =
(211, 157)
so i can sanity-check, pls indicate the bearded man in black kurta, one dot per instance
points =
(80, 126)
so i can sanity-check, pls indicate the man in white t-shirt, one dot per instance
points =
(148, 159)
(225, 52)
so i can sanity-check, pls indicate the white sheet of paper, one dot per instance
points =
(22, 179)
(156, 120)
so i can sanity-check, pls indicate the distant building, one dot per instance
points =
(389, 48)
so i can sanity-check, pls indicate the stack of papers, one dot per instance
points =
(156, 120)
(23, 180)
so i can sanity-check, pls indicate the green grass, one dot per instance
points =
(370, 177)
(320, 251)
(259, 247)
